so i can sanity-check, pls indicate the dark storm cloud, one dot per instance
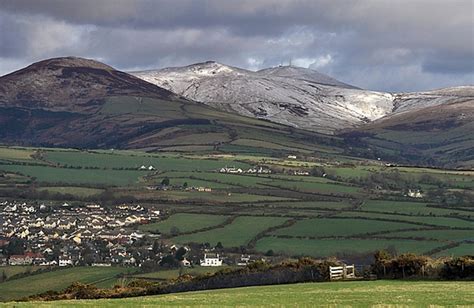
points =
(373, 44)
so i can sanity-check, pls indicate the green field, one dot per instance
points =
(332, 247)
(439, 234)
(332, 294)
(77, 176)
(76, 191)
(236, 234)
(184, 222)
(420, 208)
(321, 227)
(429, 220)
(18, 269)
(17, 154)
(59, 279)
(117, 160)
(462, 250)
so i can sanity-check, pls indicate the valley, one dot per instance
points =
(359, 202)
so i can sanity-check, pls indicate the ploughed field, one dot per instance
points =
(345, 206)
(344, 294)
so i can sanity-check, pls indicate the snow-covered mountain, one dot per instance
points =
(404, 102)
(294, 96)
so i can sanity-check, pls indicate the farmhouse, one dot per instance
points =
(20, 260)
(415, 193)
(259, 170)
(186, 263)
(64, 261)
(232, 170)
(300, 172)
(206, 189)
(211, 260)
(244, 260)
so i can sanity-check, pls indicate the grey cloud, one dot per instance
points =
(449, 63)
(373, 44)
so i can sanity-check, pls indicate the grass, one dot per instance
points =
(381, 293)
(76, 191)
(77, 176)
(316, 187)
(117, 160)
(178, 181)
(184, 222)
(407, 208)
(439, 234)
(175, 273)
(332, 247)
(58, 280)
(431, 220)
(332, 205)
(16, 154)
(323, 227)
(217, 197)
(18, 269)
(463, 249)
(236, 234)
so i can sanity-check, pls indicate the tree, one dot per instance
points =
(16, 246)
(179, 255)
(165, 181)
(270, 253)
(3, 276)
(318, 171)
(169, 261)
(382, 260)
(185, 185)
(219, 245)
(156, 247)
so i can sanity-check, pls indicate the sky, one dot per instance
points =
(385, 45)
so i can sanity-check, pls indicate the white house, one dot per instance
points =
(244, 260)
(186, 263)
(415, 193)
(211, 260)
(64, 261)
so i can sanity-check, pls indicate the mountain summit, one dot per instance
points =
(70, 84)
(301, 73)
(292, 96)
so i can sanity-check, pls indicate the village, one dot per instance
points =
(93, 235)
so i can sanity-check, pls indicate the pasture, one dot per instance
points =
(184, 222)
(381, 293)
(238, 233)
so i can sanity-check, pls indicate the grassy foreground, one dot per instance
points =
(353, 294)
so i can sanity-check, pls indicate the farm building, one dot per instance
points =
(211, 260)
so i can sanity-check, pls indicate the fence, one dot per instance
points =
(342, 272)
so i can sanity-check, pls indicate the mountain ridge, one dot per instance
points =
(56, 83)
(313, 101)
